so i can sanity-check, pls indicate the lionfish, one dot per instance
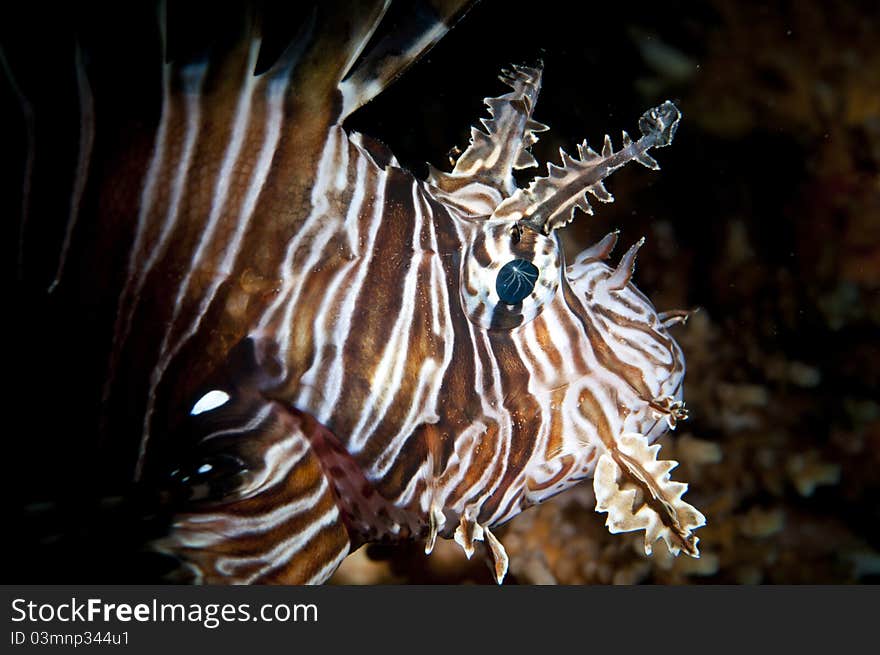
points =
(305, 348)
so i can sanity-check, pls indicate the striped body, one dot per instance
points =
(308, 344)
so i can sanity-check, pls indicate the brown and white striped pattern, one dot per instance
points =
(388, 392)
(445, 420)
(282, 524)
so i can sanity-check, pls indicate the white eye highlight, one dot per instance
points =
(211, 400)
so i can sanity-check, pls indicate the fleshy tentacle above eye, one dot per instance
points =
(549, 202)
(502, 146)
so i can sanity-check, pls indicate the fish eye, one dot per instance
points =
(515, 281)
(509, 273)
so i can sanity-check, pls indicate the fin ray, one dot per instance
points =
(398, 39)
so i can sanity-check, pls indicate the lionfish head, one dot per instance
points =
(595, 356)
(307, 348)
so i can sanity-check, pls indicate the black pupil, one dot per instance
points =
(515, 281)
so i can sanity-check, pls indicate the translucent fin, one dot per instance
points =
(500, 560)
(407, 30)
(550, 202)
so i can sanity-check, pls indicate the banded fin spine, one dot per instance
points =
(502, 145)
(550, 202)
(413, 29)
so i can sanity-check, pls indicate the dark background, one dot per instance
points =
(765, 216)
